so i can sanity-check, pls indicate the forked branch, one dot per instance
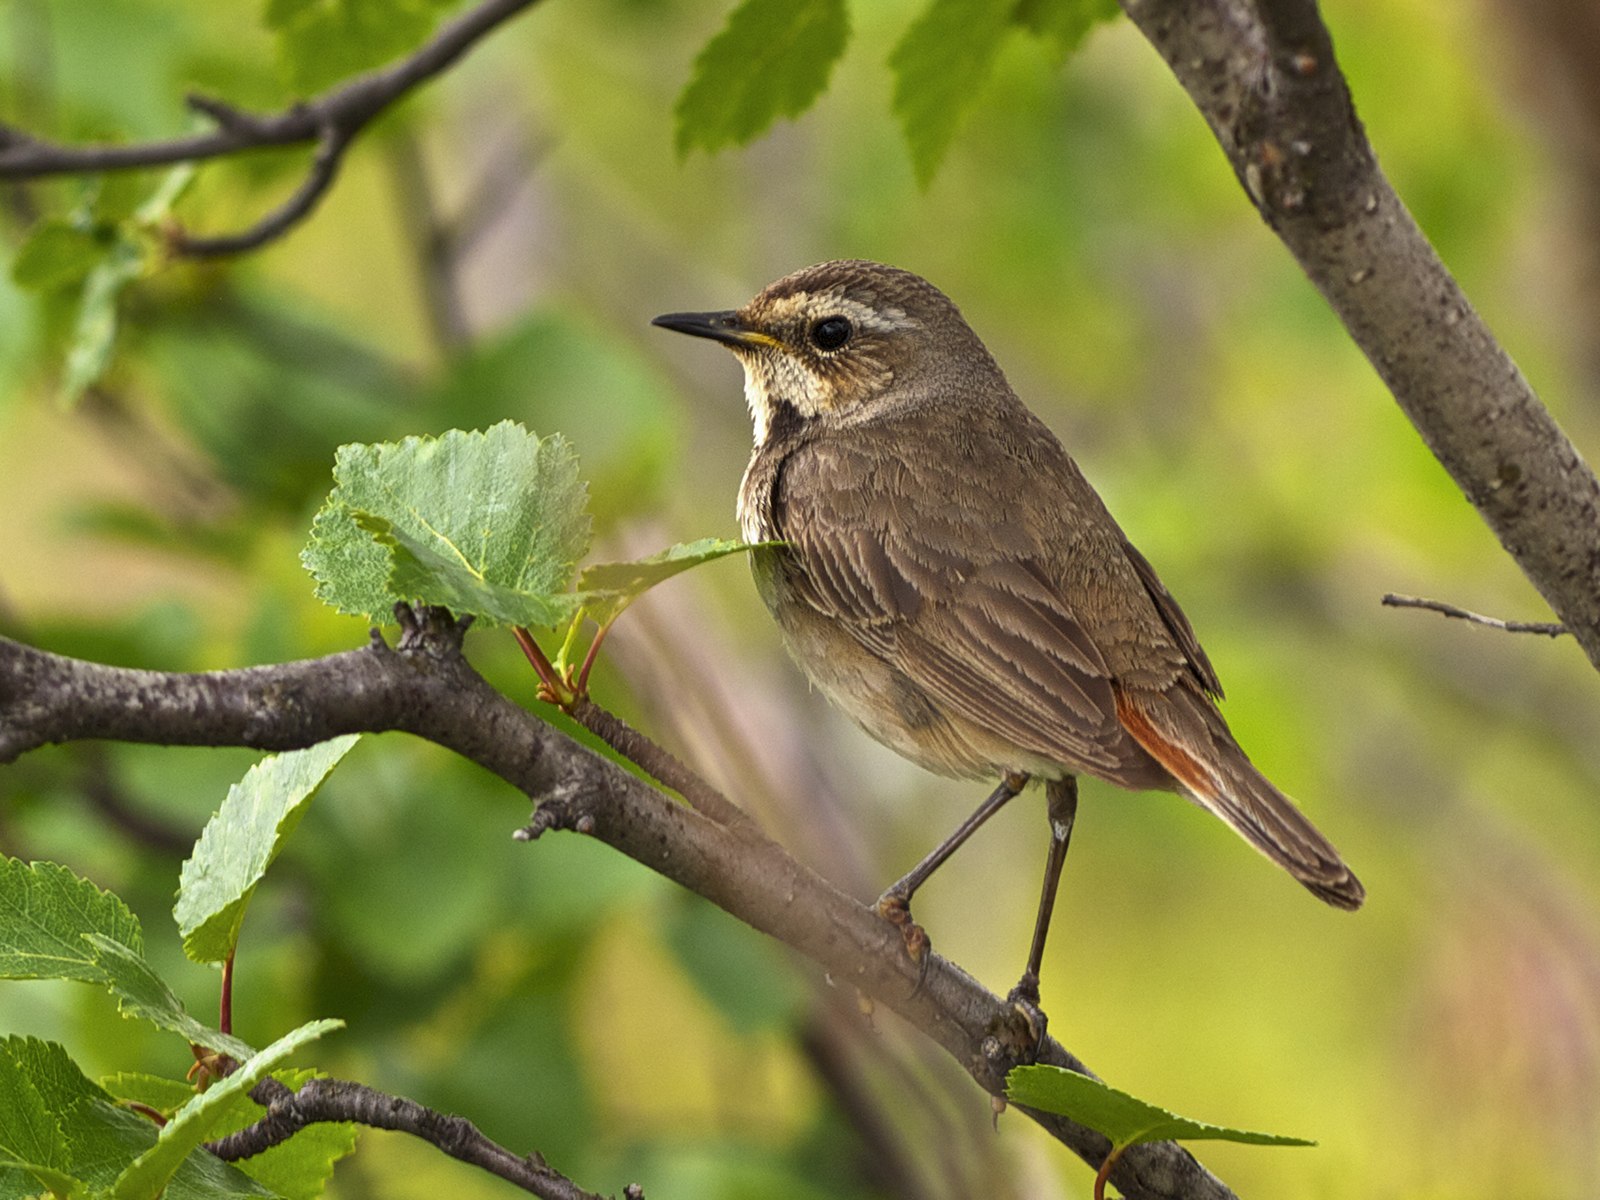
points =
(331, 120)
(425, 686)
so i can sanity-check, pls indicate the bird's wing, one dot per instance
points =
(1176, 622)
(954, 591)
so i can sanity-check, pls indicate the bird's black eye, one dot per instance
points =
(830, 333)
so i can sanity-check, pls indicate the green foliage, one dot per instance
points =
(939, 67)
(57, 253)
(611, 587)
(142, 993)
(296, 1169)
(45, 911)
(772, 60)
(1064, 22)
(1125, 1119)
(59, 1131)
(104, 247)
(321, 42)
(240, 842)
(487, 523)
(147, 1176)
(490, 523)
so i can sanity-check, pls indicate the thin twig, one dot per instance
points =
(321, 1100)
(1551, 629)
(332, 120)
(661, 765)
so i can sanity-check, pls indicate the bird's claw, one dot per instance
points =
(896, 909)
(1024, 999)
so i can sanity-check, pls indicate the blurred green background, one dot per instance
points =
(495, 248)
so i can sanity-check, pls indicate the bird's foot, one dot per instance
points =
(1024, 999)
(895, 908)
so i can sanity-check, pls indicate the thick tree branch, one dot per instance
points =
(320, 1100)
(1263, 75)
(425, 686)
(332, 120)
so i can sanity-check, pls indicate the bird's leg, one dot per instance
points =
(1061, 797)
(894, 905)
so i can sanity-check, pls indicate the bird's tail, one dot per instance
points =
(1183, 731)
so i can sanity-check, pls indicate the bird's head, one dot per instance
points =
(841, 342)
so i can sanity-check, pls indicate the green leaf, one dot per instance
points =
(297, 1169)
(939, 67)
(164, 1095)
(147, 1176)
(94, 331)
(617, 585)
(772, 59)
(504, 510)
(418, 573)
(1064, 22)
(102, 1138)
(1125, 1119)
(30, 1135)
(45, 911)
(240, 842)
(56, 253)
(321, 42)
(140, 992)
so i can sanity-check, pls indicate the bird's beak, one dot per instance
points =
(727, 327)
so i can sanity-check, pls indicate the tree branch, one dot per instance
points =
(425, 686)
(1546, 628)
(332, 120)
(1263, 75)
(321, 1100)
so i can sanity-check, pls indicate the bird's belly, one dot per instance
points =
(884, 702)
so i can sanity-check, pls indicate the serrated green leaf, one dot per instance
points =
(45, 911)
(94, 331)
(349, 565)
(240, 842)
(419, 574)
(57, 253)
(140, 992)
(1064, 22)
(296, 1169)
(617, 585)
(30, 1135)
(1125, 1119)
(502, 507)
(147, 1176)
(772, 59)
(102, 1139)
(940, 65)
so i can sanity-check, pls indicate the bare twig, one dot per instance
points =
(660, 764)
(321, 1100)
(332, 120)
(425, 686)
(1547, 628)
(1264, 76)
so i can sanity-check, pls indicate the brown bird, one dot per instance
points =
(951, 581)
